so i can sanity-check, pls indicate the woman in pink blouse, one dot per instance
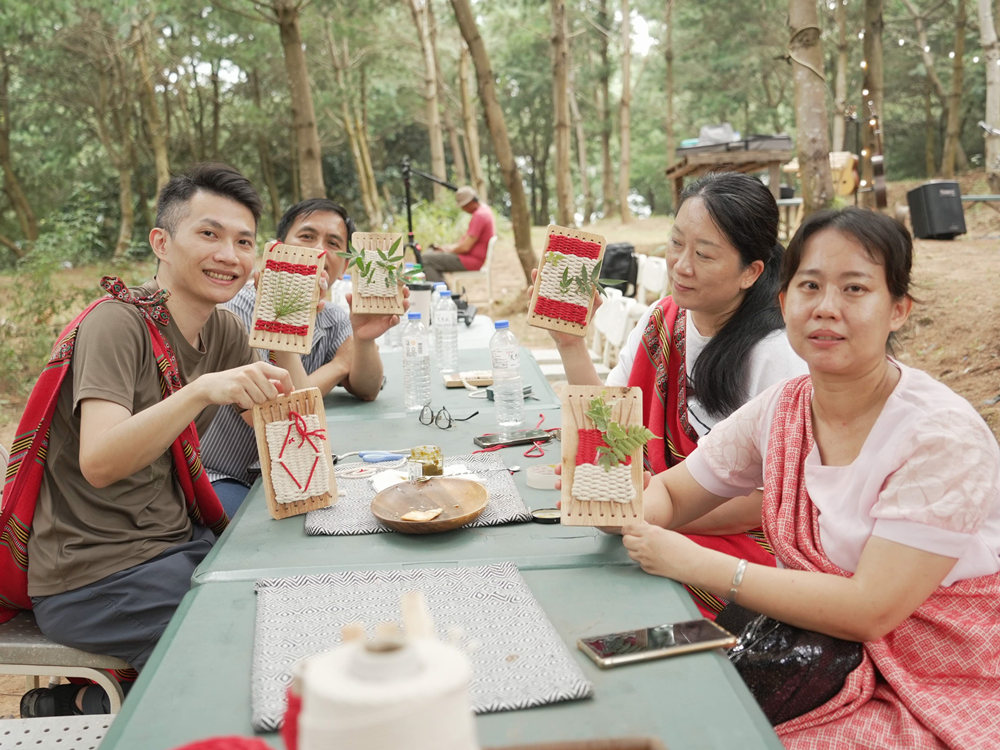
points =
(881, 500)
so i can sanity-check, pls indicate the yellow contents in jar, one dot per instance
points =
(430, 458)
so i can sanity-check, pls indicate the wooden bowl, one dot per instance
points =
(460, 500)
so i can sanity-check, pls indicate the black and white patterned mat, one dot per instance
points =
(518, 659)
(351, 514)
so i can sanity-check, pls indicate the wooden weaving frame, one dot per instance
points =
(372, 304)
(305, 401)
(300, 258)
(539, 320)
(627, 411)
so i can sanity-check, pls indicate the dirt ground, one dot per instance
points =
(953, 333)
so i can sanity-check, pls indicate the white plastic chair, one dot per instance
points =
(652, 281)
(612, 324)
(484, 270)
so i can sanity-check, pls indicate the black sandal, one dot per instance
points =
(55, 701)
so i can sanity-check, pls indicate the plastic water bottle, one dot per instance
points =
(340, 290)
(507, 393)
(446, 332)
(416, 364)
(439, 286)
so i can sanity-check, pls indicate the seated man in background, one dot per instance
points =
(114, 505)
(343, 348)
(469, 253)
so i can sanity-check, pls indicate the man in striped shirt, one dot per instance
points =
(343, 348)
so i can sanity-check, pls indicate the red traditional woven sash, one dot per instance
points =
(660, 361)
(934, 681)
(28, 453)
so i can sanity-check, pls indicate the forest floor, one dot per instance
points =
(953, 332)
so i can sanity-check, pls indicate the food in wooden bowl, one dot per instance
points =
(411, 507)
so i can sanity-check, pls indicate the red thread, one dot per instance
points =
(289, 472)
(303, 429)
(590, 441)
(273, 326)
(311, 472)
(285, 267)
(286, 441)
(554, 308)
(572, 246)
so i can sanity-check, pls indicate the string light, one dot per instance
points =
(861, 35)
(927, 48)
(864, 65)
(864, 92)
(864, 152)
(975, 59)
(951, 55)
(863, 183)
(902, 42)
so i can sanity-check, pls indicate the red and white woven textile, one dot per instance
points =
(934, 681)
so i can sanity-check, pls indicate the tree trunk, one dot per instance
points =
(560, 101)
(353, 127)
(581, 154)
(952, 131)
(991, 53)
(668, 57)
(604, 108)
(150, 109)
(308, 151)
(216, 108)
(264, 152)
(470, 127)
(625, 116)
(457, 154)
(26, 218)
(422, 20)
(872, 93)
(125, 204)
(813, 145)
(930, 132)
(840, 82)
(520, 219)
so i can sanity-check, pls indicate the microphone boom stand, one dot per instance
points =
(407, 169)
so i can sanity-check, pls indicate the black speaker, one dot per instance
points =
(936, 211)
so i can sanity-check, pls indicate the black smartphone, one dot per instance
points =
(518, 437)
(657, 642)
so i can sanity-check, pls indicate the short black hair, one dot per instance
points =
(886, 241)
(311, 206)
(211, 177)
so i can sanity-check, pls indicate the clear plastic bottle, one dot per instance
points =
(445, 329)
(439, 286)
(416, 364)
(505, 354)
(339, 291)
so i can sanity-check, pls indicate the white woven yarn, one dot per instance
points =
(298, 459)
(377, 286)
(552, 274)
(592, 482)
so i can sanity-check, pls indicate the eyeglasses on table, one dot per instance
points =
(442, 419)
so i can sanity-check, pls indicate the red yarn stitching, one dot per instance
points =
(589, 441)
(273, 326)
(284, 266)
(572, 246)
(555, 308)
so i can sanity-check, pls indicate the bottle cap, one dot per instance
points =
(413, 316)
(445, 292)
(501, 324)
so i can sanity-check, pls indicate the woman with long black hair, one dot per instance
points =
(714, 343)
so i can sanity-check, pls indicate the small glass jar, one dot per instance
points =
(430, 458)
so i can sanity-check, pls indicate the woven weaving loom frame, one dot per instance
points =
(626, 410)
(557, 311)
(306, 401)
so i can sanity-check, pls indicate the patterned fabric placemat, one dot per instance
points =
(351, 514)
(518, 659)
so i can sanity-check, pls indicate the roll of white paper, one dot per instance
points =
(415, 696)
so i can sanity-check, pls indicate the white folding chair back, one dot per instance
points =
(652, 281)
(485, 270)
(613, 325)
